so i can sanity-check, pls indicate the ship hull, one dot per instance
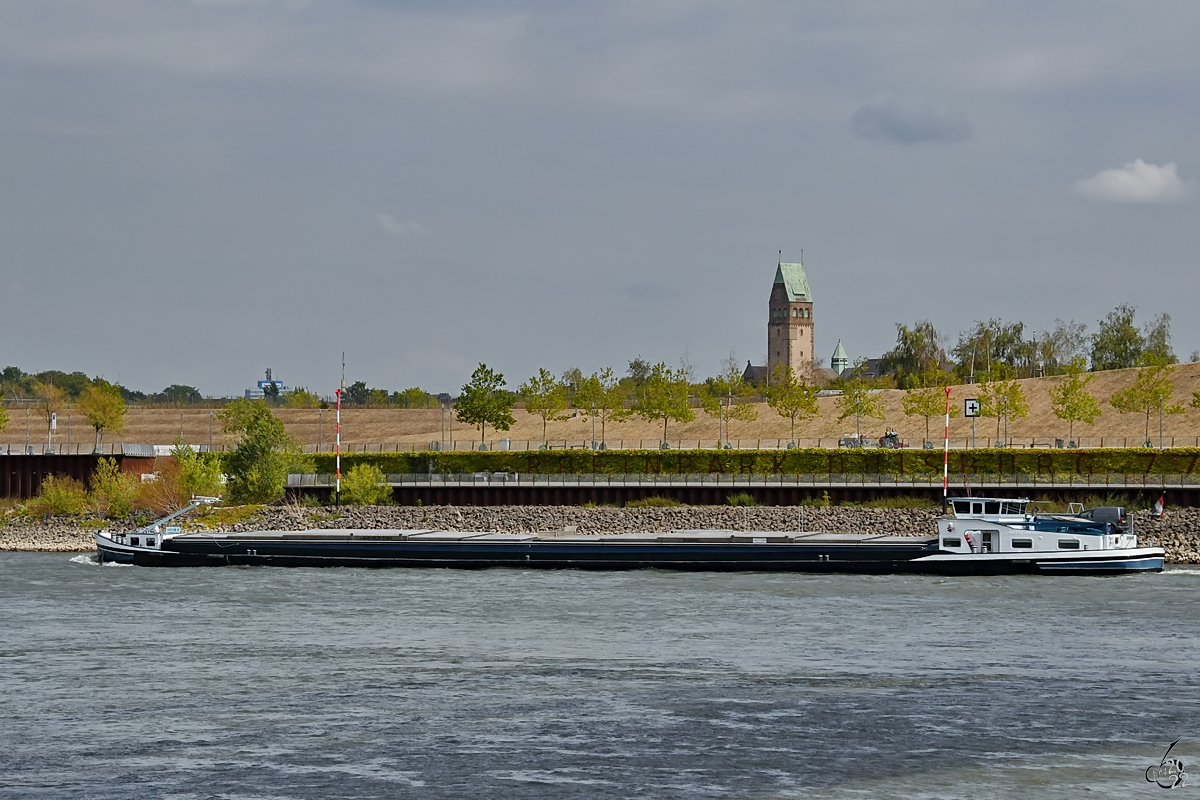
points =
(863, 556)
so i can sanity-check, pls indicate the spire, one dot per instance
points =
(794, 281)
(840, 362)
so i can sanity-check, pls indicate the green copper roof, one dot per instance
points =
(839, 352)
(794, 281)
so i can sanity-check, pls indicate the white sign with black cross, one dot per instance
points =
(971, 407)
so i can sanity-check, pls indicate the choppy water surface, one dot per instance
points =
(276, 683)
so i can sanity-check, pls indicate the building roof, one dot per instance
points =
(794, 281)
(839, 352)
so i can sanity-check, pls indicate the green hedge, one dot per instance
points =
(1127, 461)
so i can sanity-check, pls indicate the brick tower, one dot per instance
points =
(790, 329)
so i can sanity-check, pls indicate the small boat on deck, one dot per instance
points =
(982, 536)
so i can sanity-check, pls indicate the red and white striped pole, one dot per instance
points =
(338, 459)
(946, 457)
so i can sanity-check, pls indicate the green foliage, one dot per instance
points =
(1003, 400)
(363, 485)
(791, 396)
(992, 349)
(1070, 400)
(60, 495)
(113, 492)
(1150, 392)
(484, 401)
(857, 399)
(742, 499)
(179, 394)
(654, 502)
(104, 407)
(301, 397)
(3, 418)
(602, 395)
(727, 397)
(544, 397)
(799, 461)
(928, 402)
(414, 398)
(918, 351)
(199, 473)
(665, 396)
(258, 467)
(1119, 344)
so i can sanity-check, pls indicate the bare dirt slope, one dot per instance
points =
(405, 428)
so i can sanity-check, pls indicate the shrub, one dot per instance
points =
(654, 502)
(61, 495)
(113, 492)
(364, 485)
(742, 499)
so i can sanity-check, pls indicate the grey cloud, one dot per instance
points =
(904, 122)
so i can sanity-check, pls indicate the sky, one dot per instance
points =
(192, 192)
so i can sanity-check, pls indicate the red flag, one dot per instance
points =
(1158, 506)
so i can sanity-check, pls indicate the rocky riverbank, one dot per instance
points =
(1178, 531)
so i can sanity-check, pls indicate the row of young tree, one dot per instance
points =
(998, 350)
(661, 394)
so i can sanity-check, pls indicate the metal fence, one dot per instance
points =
(1096, 481)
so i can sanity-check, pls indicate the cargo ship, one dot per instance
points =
(978, 536)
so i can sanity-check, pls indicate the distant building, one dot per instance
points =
(789, 327)
(260, 392)
(840, 362)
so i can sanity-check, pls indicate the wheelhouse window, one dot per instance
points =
(135, 541)
(951, 542)
(1068, 544)
(1022, 544)
(991, 507)
(962, 506)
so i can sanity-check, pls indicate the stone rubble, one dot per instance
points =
(1178, 531)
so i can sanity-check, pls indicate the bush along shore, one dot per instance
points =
(1178, 531)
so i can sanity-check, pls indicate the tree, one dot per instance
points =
(180, 395)
(918, 350)
(259, 465)
(1070, 400)
(1004, 400)
(3, 418)
(1055, 350)
(1118, 344)
(1151, 391)
(271, 393)
(414, 398)
(48, 400)
(791, 397)
(857, 399)
(301, 397)
(377, 398)
(545, 397)
(104, 407)
(991, 348)
(665, 396)
(485, 401)
(366, 485)
(930, 399)
(357, 394)
(726, 396)
(601, 395)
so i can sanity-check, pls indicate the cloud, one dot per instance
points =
(905, 122)
(401, 229)
(1137, 182)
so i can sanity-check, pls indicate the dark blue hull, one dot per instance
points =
(873, 558)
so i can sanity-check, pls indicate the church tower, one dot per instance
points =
(790, 329)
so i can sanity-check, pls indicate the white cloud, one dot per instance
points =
(401, 229)
(1137, 182)
(905, 122)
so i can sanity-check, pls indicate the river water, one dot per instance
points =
(265, 684)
